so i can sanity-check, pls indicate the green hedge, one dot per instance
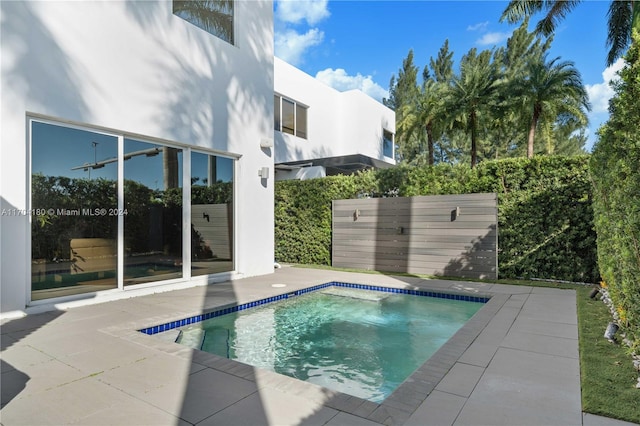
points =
(545, 216)
(303, 217)
(615, 167)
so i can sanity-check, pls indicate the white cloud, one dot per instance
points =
(481, 26)
(492, 38)
(291, 45)
(340, 80)
(295, 11)
(600, 93)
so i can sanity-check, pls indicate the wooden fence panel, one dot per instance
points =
(449, 235)
(212, 224)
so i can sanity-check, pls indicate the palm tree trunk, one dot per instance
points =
(430, 143)
(474, 135)
(532, 133)
(532, 130)
(170, 167)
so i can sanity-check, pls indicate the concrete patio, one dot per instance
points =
(515, 363)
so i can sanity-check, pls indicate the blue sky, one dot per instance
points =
(57, 150)
(361, 44)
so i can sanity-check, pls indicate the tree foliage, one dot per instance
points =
(505, 102)
(472, 95)
(52, 195)
(552, 92)
(623, 15)
(615, 167)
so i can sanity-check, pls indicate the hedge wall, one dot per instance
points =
(615, 167)
(545, 216)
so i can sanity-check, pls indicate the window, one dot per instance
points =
(213, 16)
(276, 112)
(290, 117)
(153, 201)
(211, 214)
(74, 199)
(301, 121)
(288, 109)
(387, 143)
(85, 239)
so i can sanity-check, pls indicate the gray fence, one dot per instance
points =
(212, 225)
(448, 235)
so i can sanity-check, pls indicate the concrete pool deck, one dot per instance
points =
(515, 363)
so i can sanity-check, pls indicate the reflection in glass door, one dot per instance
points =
(73, 204)
(211, 214)
(153, 221)
(75, 221)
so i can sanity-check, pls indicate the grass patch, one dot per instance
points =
(607, 374)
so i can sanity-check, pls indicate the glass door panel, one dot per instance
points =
(74, 200)
(211, 214)
(153, 221)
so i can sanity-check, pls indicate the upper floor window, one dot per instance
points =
(289, 117)
(387, 143)
(213, 16)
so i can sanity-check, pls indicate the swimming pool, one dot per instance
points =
(360, 340)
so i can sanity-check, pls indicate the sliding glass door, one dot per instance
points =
(80, 230)
(74, 195)
(211, 214)
(153, 202)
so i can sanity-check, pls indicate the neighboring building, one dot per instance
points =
(321, 131)
(131, 148)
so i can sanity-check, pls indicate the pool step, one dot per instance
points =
(191, 338)
(216, 341)
(372, 296)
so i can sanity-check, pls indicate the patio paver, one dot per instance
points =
(514, 363)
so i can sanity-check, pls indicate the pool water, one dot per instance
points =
(361, 342)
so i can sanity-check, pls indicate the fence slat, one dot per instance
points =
(453, 235)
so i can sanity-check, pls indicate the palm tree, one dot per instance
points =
(431, 99)
(423, 117)
(403, 93)
(409, 146)
(550, 90)
(623, 16)
(431, 109)
(472, 92)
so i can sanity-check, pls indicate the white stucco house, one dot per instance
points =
(138, 138)
(131, 146)
(321, 131)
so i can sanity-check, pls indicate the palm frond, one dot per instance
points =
(517, 10)
(557, 10)
(620, 21)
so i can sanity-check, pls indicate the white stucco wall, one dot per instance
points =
(363, 121)
(339, 123)
(134, 67)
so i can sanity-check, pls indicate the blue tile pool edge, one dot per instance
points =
(236, 308)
